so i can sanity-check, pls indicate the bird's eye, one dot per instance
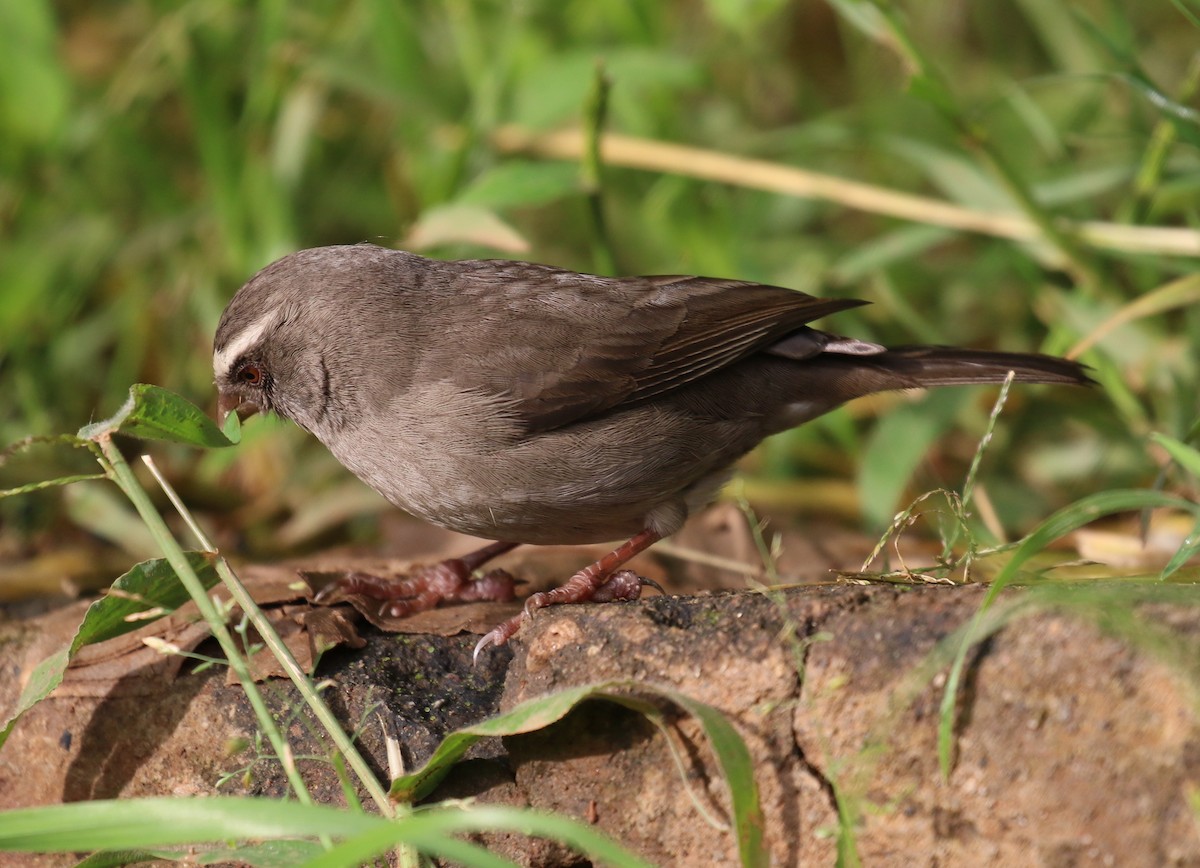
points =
(251, 375)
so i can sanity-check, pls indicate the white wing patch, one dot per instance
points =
(244, 340)
(853, 347)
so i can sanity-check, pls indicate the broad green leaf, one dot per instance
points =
(35, 91)
(731, 752)
(154, 413)
(232, 428)
(44, 678)
(151, 585)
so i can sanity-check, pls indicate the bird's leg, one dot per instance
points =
(426, 586)
(601, 582)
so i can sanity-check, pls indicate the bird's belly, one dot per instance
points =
(564, 487)
(491, 502)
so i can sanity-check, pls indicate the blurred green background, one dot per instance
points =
(153, 155)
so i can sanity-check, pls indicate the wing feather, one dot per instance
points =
(571, 346)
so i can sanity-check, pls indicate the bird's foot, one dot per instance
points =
(585, 586)
(425, 587)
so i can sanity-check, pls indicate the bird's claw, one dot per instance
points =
(499, 635)
(489, 638)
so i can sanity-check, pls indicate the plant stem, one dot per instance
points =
(281, 652)
(123, 476)
(594, 114)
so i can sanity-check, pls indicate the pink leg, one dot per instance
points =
(427, 586)
(600, 582)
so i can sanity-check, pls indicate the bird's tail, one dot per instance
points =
(917, 366)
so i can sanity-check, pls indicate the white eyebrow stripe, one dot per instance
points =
(248, 337)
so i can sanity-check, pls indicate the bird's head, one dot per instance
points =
(269, 350)
(319, 337)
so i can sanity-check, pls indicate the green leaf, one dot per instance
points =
(1187, 550)
(154, 413)
(522, 183)
(150, 585)
(434, 831)
(159, 822)
(896, 447)
(121, 858)
(140, 824)
(1067, 519)
(730, 750)
(1188, 457)
(232, 428)
(283, 853)
(35, 90)
(734, 758)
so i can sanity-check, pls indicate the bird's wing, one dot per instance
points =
(566, 346)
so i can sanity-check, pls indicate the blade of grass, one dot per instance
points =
(1065, 520)
(595, 112)
(1188, 457)
(284, 655)
(1183, 292)
(930, 85)
(731, 752)
(123, 476)
(432, 831)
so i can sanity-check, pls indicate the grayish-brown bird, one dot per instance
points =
(527, 404)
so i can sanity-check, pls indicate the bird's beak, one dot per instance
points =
(227, 403)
